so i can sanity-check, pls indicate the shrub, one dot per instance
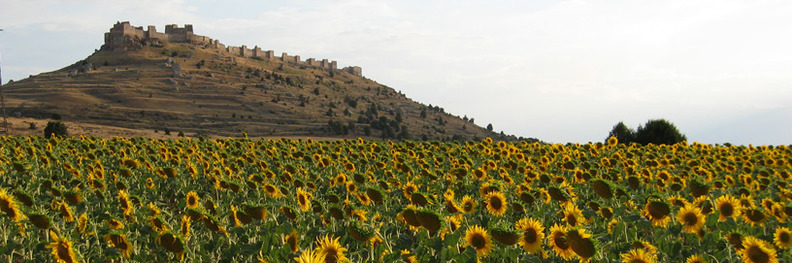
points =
(658, 132)
(623, 133)
(55, 128)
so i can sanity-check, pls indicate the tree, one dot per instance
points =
(622, 133)
(658, 131)
(489, 127)
(55, 128)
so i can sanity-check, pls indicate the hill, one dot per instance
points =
(182, 82)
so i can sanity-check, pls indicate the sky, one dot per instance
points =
(556, 70)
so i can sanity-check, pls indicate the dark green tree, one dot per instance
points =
(658, 131)
(55, 128)
(622, 133)
(489, 127)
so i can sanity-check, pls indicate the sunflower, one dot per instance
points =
(172, 242)
(304, 199)
(695, 259)
(468, 204)
(149, 183)
(311, 256)
(638, 255)
(66, 212)
(119, 241)
(727, 206)
(255, 211)
(351, 187)
(155, 211)
(691, 218)
(558, 241)
(192, 200)
(757, 251)
(184, 227)
(573, 216)
(657, 211)
(292, 239)
(41, 220)
(429, 219)
(157, 223)
(612, 224)
(651, 249)
(454, 222)
(496, 203)
(452, 207)
(115, 224)
(408, 189)
(581, 243)
(532, 235)
(124, 202)
(753, 216)
(449, 194)
(272, 191)
(62, 249)
(478, 238)
(331, 249)
(783, 238)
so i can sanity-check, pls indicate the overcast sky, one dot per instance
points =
(559, 71)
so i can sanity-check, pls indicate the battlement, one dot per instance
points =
(124, 36)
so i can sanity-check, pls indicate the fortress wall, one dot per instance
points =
(245, 52)
(123, 31)
(233, 50)
(286, 58)
(354, 70)
(200, 39)
(257, 52)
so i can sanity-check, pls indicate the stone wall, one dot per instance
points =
(124, 36)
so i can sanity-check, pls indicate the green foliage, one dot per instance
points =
(55, 128)
(623, 133)
(658, 131)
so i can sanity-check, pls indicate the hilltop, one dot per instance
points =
(178, 81)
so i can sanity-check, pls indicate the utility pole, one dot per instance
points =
(2, 98)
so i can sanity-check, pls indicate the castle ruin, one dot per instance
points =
(124, 36)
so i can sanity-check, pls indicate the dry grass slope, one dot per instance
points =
(220, 94)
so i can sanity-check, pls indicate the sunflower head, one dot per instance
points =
(532, 234)
(9, 207)
(757, 251)
(40, 220)
(119, 241)
(496, 203)
(467, 204)
(581, 243)
(638, 255)
(696, 259)
(727, 206)
(558, 241)
(62, 249)
(783, 238)
(331, 249)
(479, 239)
(429, 219)
(192, 200)
(691, 218)
(292, 239)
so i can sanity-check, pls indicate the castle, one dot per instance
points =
(124, 36)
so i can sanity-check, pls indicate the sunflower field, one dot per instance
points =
(85, 199)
